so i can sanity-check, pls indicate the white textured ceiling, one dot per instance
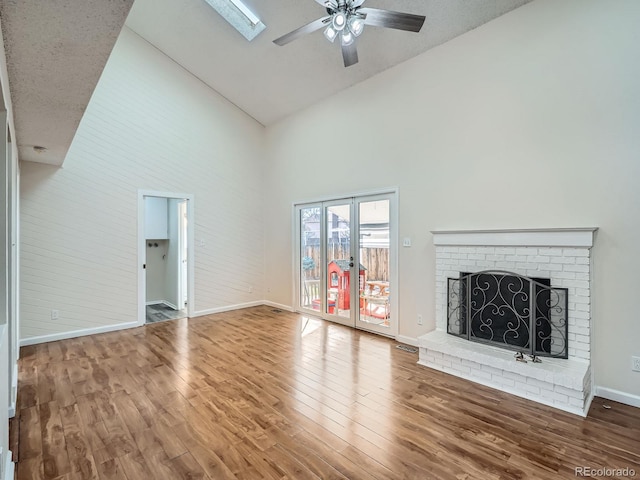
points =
(56, 51)
(270, 82)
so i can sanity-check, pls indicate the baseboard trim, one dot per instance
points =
(8, 467)
(278, 305)
(407, 340)
(170, 305)
(228, 308)
(76, 333)
(618, 396)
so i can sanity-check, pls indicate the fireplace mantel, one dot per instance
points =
(579, 237)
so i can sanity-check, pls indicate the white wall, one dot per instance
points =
(543, 101)
(150, 125)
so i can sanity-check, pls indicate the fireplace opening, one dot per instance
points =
(508, 310)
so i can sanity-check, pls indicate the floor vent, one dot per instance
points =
(407, 348)
(276, 310)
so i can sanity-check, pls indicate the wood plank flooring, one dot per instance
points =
(255, 394)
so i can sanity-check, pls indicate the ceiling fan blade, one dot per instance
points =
(350, 54)
(389, 19)
(299, 32)
(356, 3)
(328, 3)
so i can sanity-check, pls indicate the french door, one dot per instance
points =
(346, 261)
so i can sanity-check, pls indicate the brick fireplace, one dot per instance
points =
(563, 256)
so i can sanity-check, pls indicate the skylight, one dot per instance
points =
(239, 16)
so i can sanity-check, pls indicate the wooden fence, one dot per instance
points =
(375, 260)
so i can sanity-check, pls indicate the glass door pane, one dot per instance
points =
(374, 252)
(339, 260)
(310, 258)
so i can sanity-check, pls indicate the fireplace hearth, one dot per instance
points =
(510, 311)
(502, 294)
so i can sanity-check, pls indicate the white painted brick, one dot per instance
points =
(505, 265)
(568, 392)
(583, 323)
(575, 283)
(552, 252)
(539, 384)
(538, 273)
(443, 362)
(547, 395)
(538, 259)
(516, 258)
(514, 376)
(554, 267)
(506, 250)
(583, 260)
(576, 268)
(495, 258)
(583, 292)
(565, 260)
(560, 398)
(575, 252)
(565, 275)
(521, 385)
(581, 339)
(507, 382)
(461, 368)
(581, 315)
(481, 374)
(491, 370)
(477, 256)
(576, 402)
(581, 300)
(582, 307)
(459, 256)
(580, 346)
(526, 251)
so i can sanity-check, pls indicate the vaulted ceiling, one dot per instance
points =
(56, 51)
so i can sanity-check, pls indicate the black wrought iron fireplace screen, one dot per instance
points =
(510, 311)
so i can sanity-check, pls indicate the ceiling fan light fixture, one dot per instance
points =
(356, 25)
(347, 38)
(330, 33)
(339, 21)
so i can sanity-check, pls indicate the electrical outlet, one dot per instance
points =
(250, 289)
(419, 319)
(406, 242)
(635, 364)
(55, 314)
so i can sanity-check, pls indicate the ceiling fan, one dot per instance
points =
(347, 19)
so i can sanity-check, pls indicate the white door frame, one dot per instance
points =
(392, 195)
(142, 250)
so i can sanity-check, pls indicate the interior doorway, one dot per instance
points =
(165, 233)
(346, 261)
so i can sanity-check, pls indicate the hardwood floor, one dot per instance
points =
(254, 394)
